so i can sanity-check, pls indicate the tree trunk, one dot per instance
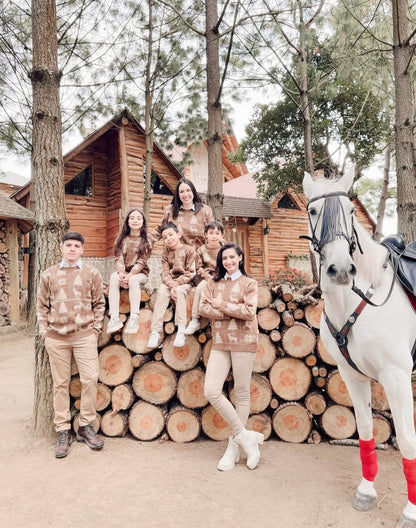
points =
(384, 195)
(292, 422)
(215, 192)
(155, 382)
(213, 425)
(190, 391)
(183, 425)
(115, 365)
(290, 378)
(404, 123)
(47, 178)
(304, 99)
(266, 354)
(148, 115)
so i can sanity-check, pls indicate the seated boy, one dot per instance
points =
(206, 263)
(178, 269)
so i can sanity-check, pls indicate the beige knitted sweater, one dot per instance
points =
(234, 324)
(128, 260)
(70, 302)
(178, 264)
(191, 224)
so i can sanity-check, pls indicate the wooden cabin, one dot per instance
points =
(271, 235)
(15, 221)
(104, 177)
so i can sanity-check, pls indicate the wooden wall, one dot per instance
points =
(88, 215)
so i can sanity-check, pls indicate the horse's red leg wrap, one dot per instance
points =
(368, 459)
(409, 468)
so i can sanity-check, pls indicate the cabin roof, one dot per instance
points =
(10, 209)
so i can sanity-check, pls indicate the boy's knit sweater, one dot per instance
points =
(178, 264)
(191, 224)
(234, 325)
(128, 260)
(70, 302)
(206, 261)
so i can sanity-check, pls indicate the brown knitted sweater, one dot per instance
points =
(178, 264)
(128, 260)
(70, 302)
(190, 223)
(206, 261)
(234, 324)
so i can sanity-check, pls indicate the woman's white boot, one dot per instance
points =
(230, 457)
(249, 441)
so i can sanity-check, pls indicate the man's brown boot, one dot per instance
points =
(63, 443)
(87, 434)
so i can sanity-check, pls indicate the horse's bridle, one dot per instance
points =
(341, 336)
(319, 243)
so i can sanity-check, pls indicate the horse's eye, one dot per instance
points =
(312, 211)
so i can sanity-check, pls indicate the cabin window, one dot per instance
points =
(286, 202)
(81, 185)
(156, 184)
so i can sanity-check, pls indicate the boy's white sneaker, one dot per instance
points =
(133, 324)
(192, 327)
(114, 324)
(154, 339)
(179, 340)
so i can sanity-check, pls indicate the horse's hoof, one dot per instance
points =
(363, 502)
(405, 522)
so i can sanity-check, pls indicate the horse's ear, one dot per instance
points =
(307, 184)
(347, 180)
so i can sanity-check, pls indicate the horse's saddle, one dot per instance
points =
(403, 260)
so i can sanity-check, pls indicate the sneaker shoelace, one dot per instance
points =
(62, 439)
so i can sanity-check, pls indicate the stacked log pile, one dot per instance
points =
(4, 277)
(297, 393)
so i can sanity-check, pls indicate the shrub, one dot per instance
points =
(292, 276)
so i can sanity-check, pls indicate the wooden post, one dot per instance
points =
(11, 241)
(124, 173)
(265, 244)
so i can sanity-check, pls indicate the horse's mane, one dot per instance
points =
(370, 262)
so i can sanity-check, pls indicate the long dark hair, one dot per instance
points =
(221, 271)
(144, 246)
(176, 201)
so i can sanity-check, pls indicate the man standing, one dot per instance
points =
(70, 313)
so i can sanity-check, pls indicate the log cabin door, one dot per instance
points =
(239, 235)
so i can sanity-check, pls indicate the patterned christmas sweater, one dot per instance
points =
(70, 302)
(128, 260)
(178, 264)
(191, 224)
(206, 261)
(234, 325)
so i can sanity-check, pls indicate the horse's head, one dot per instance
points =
(331, 226)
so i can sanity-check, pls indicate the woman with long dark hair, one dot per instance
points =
(132, 250)
(230, 300)
(188, 212)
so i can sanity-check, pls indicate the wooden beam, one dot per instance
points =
(12, 243)
(265, 244)
(124, 172)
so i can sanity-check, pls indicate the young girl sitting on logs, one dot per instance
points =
(229, 300)
(132, 250)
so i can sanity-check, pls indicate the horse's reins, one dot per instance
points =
(341, 336)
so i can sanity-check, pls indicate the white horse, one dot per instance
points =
(375, 337)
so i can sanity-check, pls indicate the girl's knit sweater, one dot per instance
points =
(234, 324)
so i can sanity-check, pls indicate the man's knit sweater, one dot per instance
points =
(70, 302)
(191, 224)
(128, 260)
(234, 325)
(178, 264)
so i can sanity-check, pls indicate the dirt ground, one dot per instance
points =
(170, 485)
